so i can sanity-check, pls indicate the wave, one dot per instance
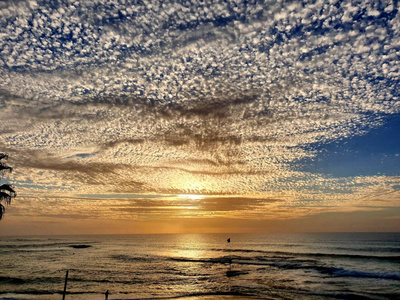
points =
(337, 272)
(140, 258)
(48, 247)
(349, 273)
(287, 254)
(22, 281)
(377, 249)
(221, 293)
(80, 246)
(30, 292)
(291, 264)
(32, 250)
(11, 280)
(219, 260)
(351, 256)
(35, 246)
(111, 281)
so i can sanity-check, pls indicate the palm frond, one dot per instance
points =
(6, 197)
(2, 211)
(4, 168)
(8, 187)
(7, 191)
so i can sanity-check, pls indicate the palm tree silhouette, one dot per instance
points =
(8, 187)
(6, 190)
(4, 168)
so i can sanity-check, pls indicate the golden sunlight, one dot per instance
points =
(191, 197)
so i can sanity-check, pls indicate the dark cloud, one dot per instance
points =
(235, 203)
(204, 205)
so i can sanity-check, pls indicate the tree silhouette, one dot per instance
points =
(6, 190)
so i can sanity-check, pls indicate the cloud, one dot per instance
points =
(182, 98)
(140, 208)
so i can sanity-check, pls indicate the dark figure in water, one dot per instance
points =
(228, 240)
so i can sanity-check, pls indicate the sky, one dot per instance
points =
(193, 116)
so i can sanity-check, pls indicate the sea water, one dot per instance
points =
(264, 266)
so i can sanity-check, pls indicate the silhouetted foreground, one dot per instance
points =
(7, 192)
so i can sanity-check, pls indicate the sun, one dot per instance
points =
(191, 197)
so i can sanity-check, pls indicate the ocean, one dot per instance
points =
(251, 266)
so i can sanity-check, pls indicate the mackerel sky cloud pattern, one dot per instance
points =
(196, 97)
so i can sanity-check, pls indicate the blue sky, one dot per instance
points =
(282, 110)
(374, 153)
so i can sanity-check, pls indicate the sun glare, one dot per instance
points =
(191, 197)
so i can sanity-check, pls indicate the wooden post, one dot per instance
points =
(65, 285)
